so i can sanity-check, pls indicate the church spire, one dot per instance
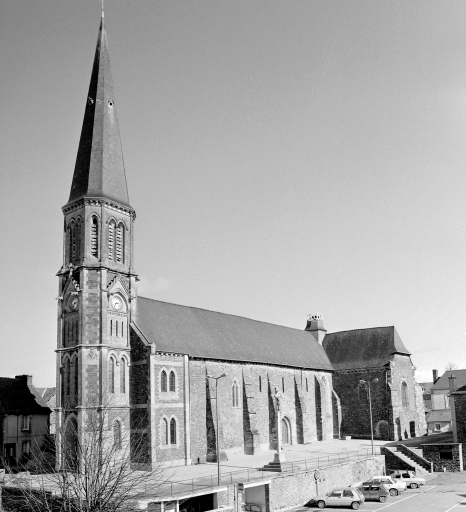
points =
(99, 169)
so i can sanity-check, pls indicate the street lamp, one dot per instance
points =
(218, 438)
(368, 384)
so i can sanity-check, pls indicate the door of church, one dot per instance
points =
(285, 432)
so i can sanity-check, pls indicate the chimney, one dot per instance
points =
(27, 379)
(315, 326)
(435, 375)
(452, 383)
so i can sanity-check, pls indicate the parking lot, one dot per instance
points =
(443, 492)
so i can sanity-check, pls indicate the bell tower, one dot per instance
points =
(97, 282)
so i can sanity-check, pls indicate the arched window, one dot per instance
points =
(164, 432)
(111, 240)
(123, 376)
(72, 241)
(77, 236)
(120, 244)
(67, 376)
(173, 431)
(404, 395)
(235, 394)
(172, 381)
(76, 377)
(111, 375)
(117, 435)
(163, 381)
(95, 237)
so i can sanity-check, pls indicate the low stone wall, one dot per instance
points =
(439, 455)
(298, 488)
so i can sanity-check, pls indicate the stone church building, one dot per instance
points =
(377, 356)
(155, 365)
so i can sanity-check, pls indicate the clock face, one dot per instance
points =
(74, 303)
(116, 302)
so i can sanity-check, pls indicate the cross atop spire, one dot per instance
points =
(99, 169)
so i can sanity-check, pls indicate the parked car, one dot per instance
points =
(372, 491)
(340, 497)
(407, 476)
(394, 486)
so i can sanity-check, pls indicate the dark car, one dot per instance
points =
(374, 492)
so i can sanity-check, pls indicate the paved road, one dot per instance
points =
(443, 492)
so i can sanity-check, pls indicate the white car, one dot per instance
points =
(340, 497)
(394, 486)
(403, 475)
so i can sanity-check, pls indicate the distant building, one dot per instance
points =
(24, 418)
(426, 395)
(49, 396)
(440, 417)
(376, 355)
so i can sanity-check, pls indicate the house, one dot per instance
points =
(440, 417)
(49, 396)
(24, 418)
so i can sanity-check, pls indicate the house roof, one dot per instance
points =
(433, 416)
(426, 386)
(362, 348)
(19, 397)
(212, 335)
(46, 393)
(443, 382)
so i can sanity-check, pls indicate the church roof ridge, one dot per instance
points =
(99, 170)
(221, 313)
(363, 329)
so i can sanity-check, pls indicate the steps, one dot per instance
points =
(396, 458)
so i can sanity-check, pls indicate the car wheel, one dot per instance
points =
(321, 504)
(393, 492)
(382, 499)
(355, 505)
(414, 486)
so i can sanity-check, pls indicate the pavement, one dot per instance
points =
(324, 451)
(443, 492)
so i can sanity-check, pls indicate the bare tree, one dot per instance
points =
(451, 366)
(96, 475)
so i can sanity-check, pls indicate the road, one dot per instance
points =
(443, 492)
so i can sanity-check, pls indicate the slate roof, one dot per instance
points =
(443, 382)
(17, 397)
(211, 335)
(46, 393)
(99, 169)
(363, 348)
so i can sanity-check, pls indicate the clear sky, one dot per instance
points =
(283, 158)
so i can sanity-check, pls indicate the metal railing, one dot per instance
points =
(180, 487)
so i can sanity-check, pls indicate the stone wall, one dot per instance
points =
(459, 403)
(444, 457)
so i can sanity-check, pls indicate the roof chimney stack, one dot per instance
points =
(435, 375)
(27, 379)
(452, 383)
(315, 326)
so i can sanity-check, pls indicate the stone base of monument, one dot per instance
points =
(276, 465)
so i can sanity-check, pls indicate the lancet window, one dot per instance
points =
(95, 237)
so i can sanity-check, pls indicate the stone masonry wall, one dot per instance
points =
(433, 453)
(250, 425)
(459, 403)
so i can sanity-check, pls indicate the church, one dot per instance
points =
(164, 371)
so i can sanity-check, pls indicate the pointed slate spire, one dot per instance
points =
(99, 169)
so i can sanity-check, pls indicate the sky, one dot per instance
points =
(283, 158)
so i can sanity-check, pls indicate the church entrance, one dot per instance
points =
(286, 437)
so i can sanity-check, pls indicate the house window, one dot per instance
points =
(26, 447)
(164, 432)
(235, 394)
(172, 381)
(437, 427)
(117, 435)
(173, 431)
(26, 423)
(163, 381)
(404, 395)
(446, 453)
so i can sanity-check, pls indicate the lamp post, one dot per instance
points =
(217, 433)
(368, 384)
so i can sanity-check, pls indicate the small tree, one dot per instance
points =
(96, 472)
(451, 366)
